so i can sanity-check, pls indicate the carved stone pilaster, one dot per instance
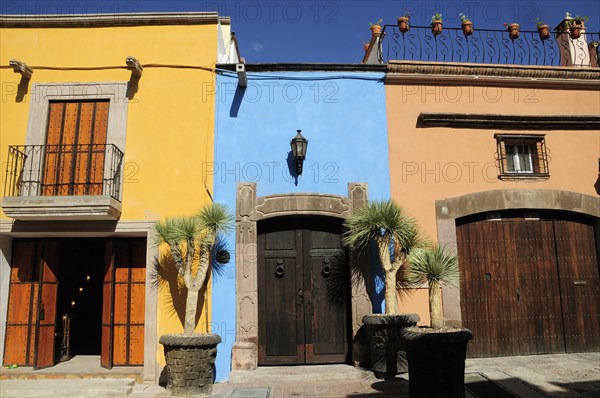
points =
(361, 303)
(358, 194)
(244, 352)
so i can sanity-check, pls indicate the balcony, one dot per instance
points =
(487, 46)
(63, 182)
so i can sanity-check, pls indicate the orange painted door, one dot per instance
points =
(22, 303)
(106, 350)
(75, 148)
(46, 311)
(124, 303)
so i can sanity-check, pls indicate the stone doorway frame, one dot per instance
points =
(450, 209)
(249, 210)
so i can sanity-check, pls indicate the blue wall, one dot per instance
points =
(343, 116)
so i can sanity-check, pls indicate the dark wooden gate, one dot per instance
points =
(302, 292)
(529, 286)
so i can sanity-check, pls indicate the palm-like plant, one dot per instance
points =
(435, 266)
(395, 233)
(190, 240)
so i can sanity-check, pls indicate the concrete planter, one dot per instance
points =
(190, 362)
(436, 361)
(388, 355)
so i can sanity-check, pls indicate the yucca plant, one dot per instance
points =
(396, 235)
(435, 266)
(190, 240)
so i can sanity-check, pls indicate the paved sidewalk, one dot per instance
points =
(538, 376)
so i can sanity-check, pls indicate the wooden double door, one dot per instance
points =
(530, 284)
(303, 289)
(76, 296)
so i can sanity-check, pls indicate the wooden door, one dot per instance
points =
(75, 148)
(529, 286)
(129, 301)
(33, 292)
(22, 303)
(280, 296)
(47, 298)
(123, 303)
(579, 284)
(302, 292)
(327, 280)
(108, 289)
(539, 321)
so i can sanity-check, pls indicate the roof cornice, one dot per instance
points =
(109, 20)
(411, 72)
(307, 67)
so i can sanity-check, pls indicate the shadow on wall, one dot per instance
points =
(166, 278)
(291, 163)
(238, 97)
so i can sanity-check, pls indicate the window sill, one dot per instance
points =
(524, 176)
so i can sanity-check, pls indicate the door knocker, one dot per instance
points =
(326, 268)
(279, 270)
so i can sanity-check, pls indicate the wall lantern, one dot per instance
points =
(299, 145)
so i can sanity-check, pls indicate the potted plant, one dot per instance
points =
(576, 24)
(376, 27)
(467, 25)
(543, 29)
(514, 30)
(436, 355)
(403, 23)
(395, 235)
(189, 242)
(436, 24)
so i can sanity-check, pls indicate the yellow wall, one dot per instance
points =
(170, 123)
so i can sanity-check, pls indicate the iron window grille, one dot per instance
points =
(522, 156)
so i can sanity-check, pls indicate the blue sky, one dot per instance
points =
(321, 30)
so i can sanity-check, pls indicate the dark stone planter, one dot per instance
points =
(190, 362)
(388, 356)
(436, 361)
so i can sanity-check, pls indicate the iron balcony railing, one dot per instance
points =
(487, 46)
(63, 170)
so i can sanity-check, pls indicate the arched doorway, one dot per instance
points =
(530, 282)
(303, 291)
(536, 247)
(252, 214)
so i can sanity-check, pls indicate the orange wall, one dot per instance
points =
(429, 164)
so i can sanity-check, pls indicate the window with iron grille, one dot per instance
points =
(522, 156)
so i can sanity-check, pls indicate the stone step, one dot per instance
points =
(279, 374)
(37, 375)
(81, 388)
